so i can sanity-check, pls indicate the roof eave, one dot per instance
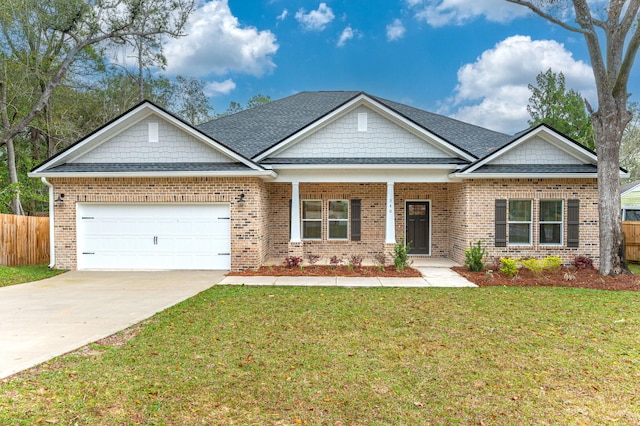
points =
(463, 175)
(264, 174)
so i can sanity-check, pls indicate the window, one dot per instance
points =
(338, 219)
(312, 219)
(520, 222)
(630, 214)
(551, 216)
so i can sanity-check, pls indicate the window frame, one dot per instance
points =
(551, 222)
(304, 220)
(520, 222)
(345, 220)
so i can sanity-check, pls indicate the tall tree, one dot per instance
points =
(612, 36)
(561, 108)
(190, 101)
(50, 39)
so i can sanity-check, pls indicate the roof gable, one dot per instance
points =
(322, 138)
(539, 151)
(630, 187)
(362, 133)
(146, 134)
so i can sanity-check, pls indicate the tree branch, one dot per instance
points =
(535, 9)
(627, 63)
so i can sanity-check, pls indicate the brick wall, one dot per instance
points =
(249, 240)
(475, 202)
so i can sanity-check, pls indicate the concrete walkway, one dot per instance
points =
(44, 319)
(435, 273)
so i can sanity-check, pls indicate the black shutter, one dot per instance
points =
(501, 223)
(355, 220)
(573, 223)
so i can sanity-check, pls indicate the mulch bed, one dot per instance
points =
(583, 278)
(329, 271)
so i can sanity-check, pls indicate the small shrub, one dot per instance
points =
(509, 266)
(380, 259)
(536, 266)
(552, 263)
(583, 262)
(474, 257)
(313, 259)
(355, 261)
(335, 261)
(293, 261)
(401, 255)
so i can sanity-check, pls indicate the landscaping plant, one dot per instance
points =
(509, 266)
(474, 257)
(401, 255)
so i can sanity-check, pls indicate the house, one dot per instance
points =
(630, 200)
(325, 173)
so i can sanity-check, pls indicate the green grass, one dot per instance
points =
(634, 267)
(335, 356)
(10, 275)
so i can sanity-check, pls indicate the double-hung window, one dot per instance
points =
(551, 215)
(338, 220)
(520, 219)
(312, 219)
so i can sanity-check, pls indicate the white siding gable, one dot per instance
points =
(354, 136)
(536, 151)
(133, 145)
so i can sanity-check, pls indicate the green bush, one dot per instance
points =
(553, 263)
(401, 255)
(474, 256)
(509, 266)
(534, 265)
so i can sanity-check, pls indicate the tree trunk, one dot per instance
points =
(609, 123)
(16, 205)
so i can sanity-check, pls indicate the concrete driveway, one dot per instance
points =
(44, 319)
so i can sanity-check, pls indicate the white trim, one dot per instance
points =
(555, 139)
(630, 190)
(265, 174)
(363, 166)
(430, 227)
(561, 223)
(376, 106)
(525, 175)
(302, 219)
(390, 215)
(124, 122)
(520, 222)
(52, 222)
(348, 220)
(296, 222)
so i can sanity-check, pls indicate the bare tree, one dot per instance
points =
(612, 36)
(49, 38)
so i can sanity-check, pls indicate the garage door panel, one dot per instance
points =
(143, 236)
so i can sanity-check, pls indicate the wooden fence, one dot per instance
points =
(24, 240)
(631, 231)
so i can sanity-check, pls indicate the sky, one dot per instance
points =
(467, 59)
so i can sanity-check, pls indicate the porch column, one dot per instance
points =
(295, 212)
(391, 216)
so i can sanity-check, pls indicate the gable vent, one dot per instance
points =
(362, 121)
(153, 132)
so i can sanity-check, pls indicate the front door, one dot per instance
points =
(418, 227)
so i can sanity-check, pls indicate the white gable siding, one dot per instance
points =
(133, 146)
(342, 139)
(536, 151)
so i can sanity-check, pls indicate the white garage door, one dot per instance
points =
(153, 236)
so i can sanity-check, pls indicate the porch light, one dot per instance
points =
(60, 198)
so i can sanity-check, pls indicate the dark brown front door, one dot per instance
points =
(418, 227)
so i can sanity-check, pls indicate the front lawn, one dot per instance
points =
(634, 267)
(336, 356)
(10, 275)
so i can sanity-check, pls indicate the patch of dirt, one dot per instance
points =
(566, 277)
(328, 271)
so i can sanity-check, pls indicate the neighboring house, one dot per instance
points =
(325, 173)
(630, 200)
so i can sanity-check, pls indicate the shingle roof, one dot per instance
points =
(627, 186)
(146, 167)
(368, 160)
(255, 130)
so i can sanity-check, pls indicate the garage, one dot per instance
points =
(153, 236)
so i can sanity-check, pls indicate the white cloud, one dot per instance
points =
(315, 20)
(347, 34)
(493, 91)
(283, 15)
(215, 88)
(216, 44)
(438, 13)
(395, 30)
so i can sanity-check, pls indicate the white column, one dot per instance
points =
(391, 216)
(295, 212)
